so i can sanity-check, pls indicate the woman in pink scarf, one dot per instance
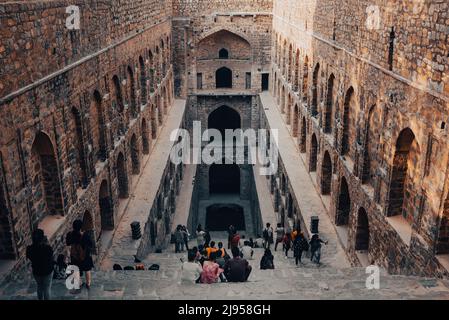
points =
(211, 270)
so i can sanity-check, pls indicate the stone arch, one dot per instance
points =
(143, 81)
(88, 221)
(45, 179)
(283, 100)
(119, 105)
(220, 216)
(223, 118)
(296, 82)
(160, 112)
(122, 177)
(80, 150)
(152, 71)
(370, 146)
(313, 153)
(132, 92)
(100, 125)
(305, 79)
(153, 233)
(106, 207)
(404, 171)
(135, 163)
(224, 178)
(295, 120)
(328, 114)
(223, 53)
(362, 231)
(442, 243)
(347, 125)
(153, 122)
(145, 139)
(290, 62)
(343, 204)
(7, 251)
(326, 174)
(223, 78)
(165, 100)
(303, 137)
(289, 108)
(315, 87)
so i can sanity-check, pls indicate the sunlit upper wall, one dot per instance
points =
(418, 29)
(203, 7)
(35, 39)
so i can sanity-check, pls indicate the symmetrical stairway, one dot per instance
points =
(285, 282)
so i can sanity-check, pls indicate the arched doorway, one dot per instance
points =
(220, 216)
(224, 178)
(223, 78)
(404, 173)
(145, 140)
(7, 251)
(326, 174)
(223, 54)
(313, 153)
(224, 118)
(303, 138)
(132, 92)
(442, 244)
(79, 145)
(371, 141)
(153, 122)
(152, 233)
(46, 182)
(344, 204)
(143, 81)
(347, 129)
(122, 176)
(100, 125)
(329, 105)
(314, 109)
(106, 208)
(362, 231)
(295, 120)
(135, 155)
(305, 79)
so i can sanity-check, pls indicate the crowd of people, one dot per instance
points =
(208, 263)
(79, 246)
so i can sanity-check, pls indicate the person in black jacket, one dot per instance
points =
(81, 246)
(267, 261)
(40, 253)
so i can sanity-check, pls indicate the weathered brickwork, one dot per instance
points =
(76, 128)
(368, 108)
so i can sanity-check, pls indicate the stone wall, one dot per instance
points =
(370, 96)
(86, 104)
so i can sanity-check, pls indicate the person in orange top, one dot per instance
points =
(211, 249)
(294, 234)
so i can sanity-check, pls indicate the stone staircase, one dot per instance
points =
(285, 282)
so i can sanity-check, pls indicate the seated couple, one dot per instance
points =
(236, 269)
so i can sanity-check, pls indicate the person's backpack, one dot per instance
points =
(77, 252)
(154, 267)
(265, 234)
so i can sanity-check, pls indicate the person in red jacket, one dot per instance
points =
(235, 240)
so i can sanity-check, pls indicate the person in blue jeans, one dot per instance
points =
(315, 248)
(40, 253)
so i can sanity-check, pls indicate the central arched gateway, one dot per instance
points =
(224, 118)
(224, 178)
(220, 216)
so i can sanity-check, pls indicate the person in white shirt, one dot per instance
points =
(191, 270)
(247, 252)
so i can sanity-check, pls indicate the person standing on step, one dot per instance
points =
(40, 253)
(280, 231)
(287, 243)
(81, 246)
(315, 248)
(231, 232)
(200, 236)
(267, 236)
(186, 236)
(179, 239)
(207, 238)
(299, 245)
(235, 240)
